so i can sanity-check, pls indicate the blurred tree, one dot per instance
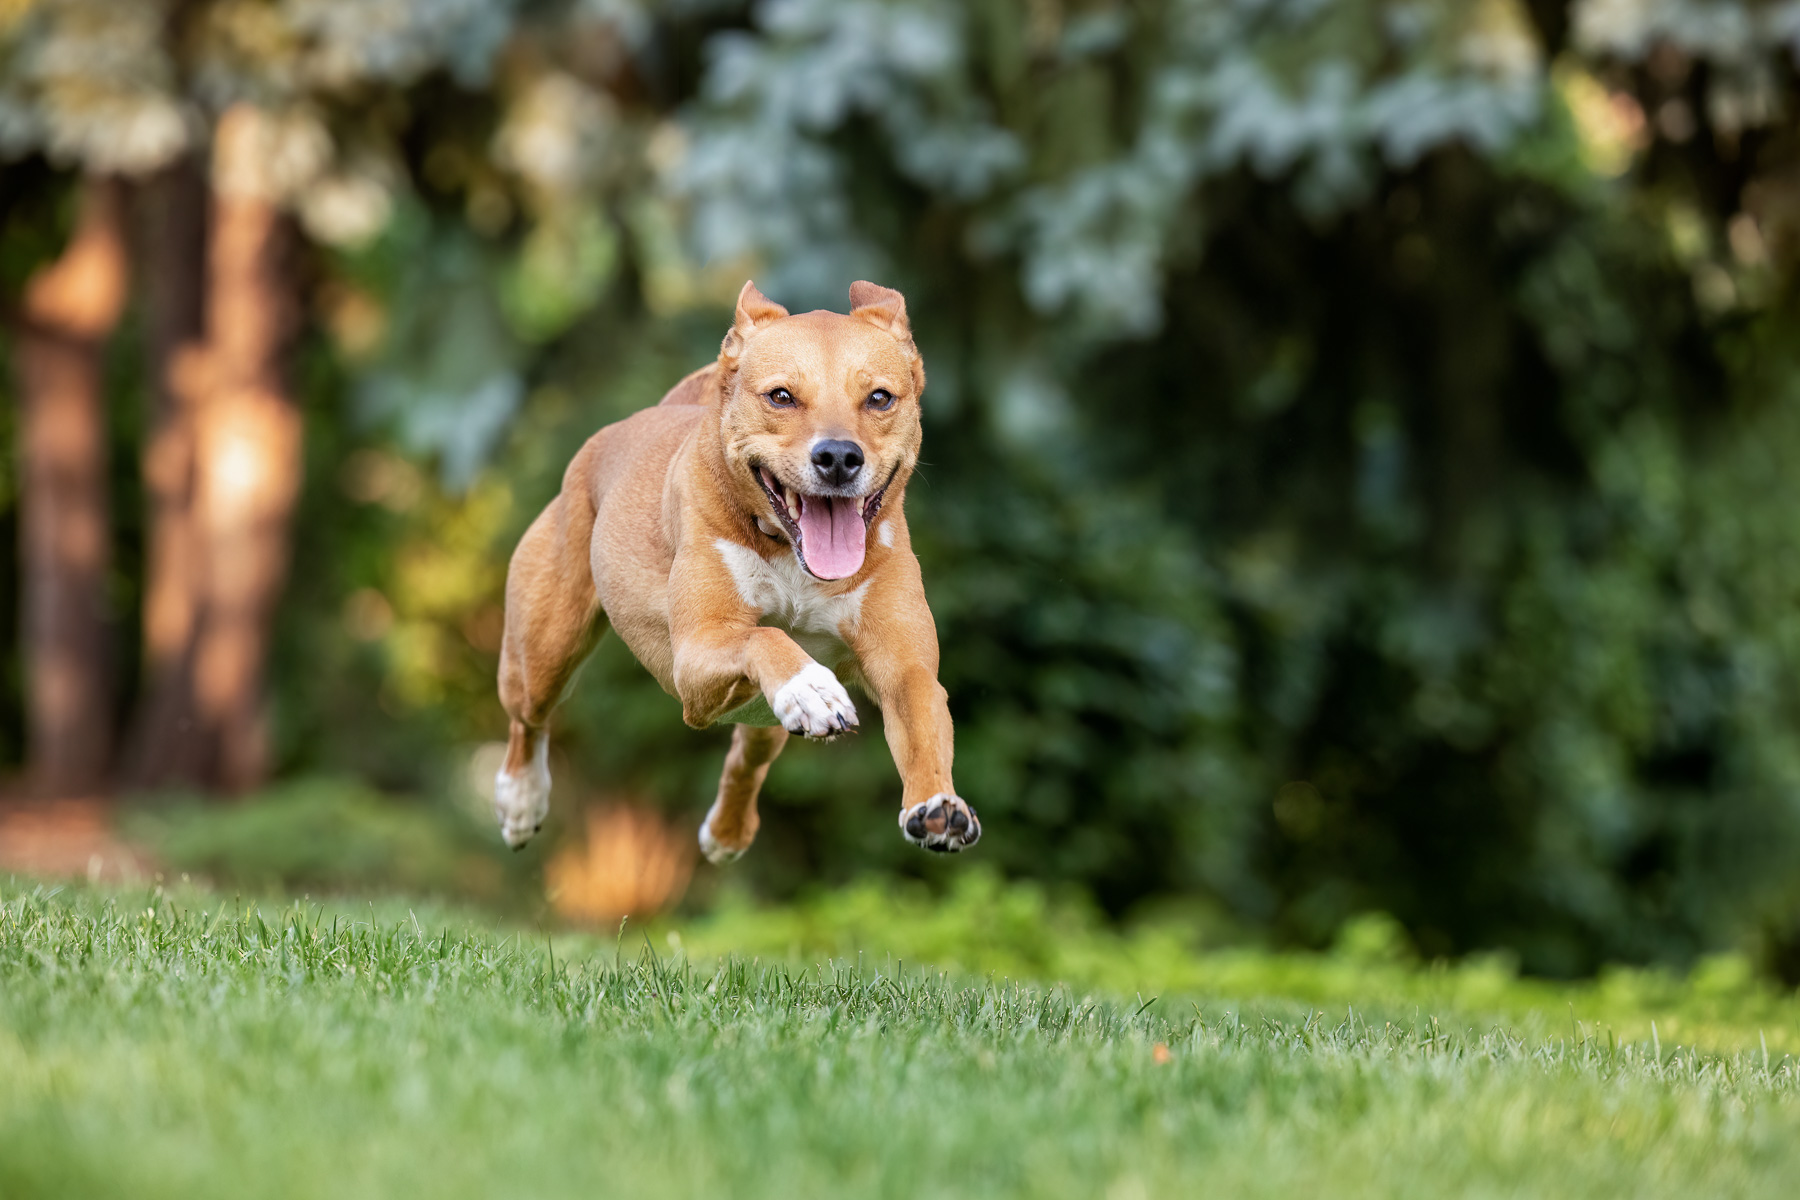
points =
(171, 208)
(70, 308)
(246, 447)
(139, 88)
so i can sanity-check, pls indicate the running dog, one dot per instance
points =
(747, 539)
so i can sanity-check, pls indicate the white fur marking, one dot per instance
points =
(782, 589)
(521, 802)
(814, 703)
(710, 846)
(884, 534)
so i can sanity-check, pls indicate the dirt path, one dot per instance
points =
(67, 839)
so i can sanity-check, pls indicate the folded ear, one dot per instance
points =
(754, 310)
(885, 309)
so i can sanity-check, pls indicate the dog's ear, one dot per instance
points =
(753, 311)
(881, 307)
(885, 308)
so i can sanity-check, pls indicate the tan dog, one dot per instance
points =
(747, 538)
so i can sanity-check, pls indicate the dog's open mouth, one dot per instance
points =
(829, 533)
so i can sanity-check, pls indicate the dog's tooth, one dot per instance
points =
(793, 503)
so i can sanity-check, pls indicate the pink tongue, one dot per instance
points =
(832, 531)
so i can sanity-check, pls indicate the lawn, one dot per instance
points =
(190, 1044)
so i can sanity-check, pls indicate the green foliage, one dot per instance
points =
(160, 1046)
(1016, 931)
(1332, 477)
(1356, 464)
(322, 833)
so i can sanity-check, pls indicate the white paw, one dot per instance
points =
(522, 801)
(944, 823)
(715, 850)
(814, 703)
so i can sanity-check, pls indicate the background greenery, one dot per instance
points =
(1359, 436)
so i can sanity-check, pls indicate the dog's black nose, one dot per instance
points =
(837, 462)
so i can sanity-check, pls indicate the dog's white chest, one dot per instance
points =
(788, 598)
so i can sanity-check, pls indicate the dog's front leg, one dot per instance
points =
(719, 669)
(896, 646)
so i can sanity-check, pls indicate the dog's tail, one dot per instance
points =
(695, 387)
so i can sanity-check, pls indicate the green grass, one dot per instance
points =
(157, 1045)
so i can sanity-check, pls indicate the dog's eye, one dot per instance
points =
(881, 400)
(782, 398)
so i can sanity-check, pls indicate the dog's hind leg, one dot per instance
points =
(730, 825)
(553, 619)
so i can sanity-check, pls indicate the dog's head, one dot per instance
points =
(820, 419)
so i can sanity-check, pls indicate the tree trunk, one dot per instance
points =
(70, 308)
(169, 743)
(247, 449)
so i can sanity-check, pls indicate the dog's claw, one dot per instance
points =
(943, 824)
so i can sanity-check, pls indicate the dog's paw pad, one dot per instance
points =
(814, 704)
(944, 824)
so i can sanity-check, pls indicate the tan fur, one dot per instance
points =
(696, 387)
(731, 825)
(656, 509)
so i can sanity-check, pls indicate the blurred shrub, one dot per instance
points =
(631, 862)
(984, 927)
(322, 833)
(1373, 938)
